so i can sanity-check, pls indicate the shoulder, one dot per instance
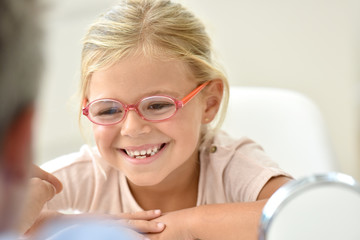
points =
(86, 163)
(224, 148)
(85, 178)
(242, 155)
(241, 166)
(85, 156)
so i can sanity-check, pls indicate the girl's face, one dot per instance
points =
(171, 146)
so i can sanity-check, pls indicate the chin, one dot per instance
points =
(145, 180)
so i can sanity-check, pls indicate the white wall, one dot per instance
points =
(311, 46)
(57, 124)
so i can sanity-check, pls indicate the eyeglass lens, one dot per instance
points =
(153, 108)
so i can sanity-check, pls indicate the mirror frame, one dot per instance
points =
(292, 189)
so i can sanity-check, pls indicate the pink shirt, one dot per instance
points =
(230, 171)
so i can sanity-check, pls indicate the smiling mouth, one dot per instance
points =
(141, 154)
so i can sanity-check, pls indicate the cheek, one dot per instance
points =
(187, 125)
(104, 136)
(192, 116)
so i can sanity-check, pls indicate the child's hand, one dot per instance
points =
(143, 221)
(133, 224)
(177, 226)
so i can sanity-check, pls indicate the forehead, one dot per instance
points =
(138, 76)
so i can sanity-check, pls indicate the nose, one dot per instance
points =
(133, 125)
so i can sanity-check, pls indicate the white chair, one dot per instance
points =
(286, 124)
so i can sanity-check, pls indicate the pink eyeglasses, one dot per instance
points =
(154, 108)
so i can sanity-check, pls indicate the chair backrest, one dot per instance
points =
(285, 123)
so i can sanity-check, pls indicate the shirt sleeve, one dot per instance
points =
(248, 170)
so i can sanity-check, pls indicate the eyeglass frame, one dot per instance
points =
(178, 103)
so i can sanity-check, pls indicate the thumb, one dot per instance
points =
(37, 172)
(40, 191)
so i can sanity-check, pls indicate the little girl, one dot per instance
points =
(154, 95)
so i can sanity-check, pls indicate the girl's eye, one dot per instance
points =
(160, 106)
(108, 111)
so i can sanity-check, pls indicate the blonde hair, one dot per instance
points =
(156, 28)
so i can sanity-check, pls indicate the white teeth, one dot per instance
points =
(142, 153)
(130, 153)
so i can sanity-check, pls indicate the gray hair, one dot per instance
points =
(20, 58)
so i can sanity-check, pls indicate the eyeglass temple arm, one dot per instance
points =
(194, 93)
(85, 110)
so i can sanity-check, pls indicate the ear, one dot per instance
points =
(212, 98)
(17, 147)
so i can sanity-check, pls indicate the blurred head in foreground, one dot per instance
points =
(20, 62)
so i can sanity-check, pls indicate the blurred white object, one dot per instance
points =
(324, 206)
(89, 229)
(285, 123)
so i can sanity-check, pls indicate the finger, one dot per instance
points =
(144, 226)
(37, 172)
(142, 215)
(41, 190)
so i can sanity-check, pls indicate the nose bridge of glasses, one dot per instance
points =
(133, 107)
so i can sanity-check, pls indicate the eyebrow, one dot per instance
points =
(162, 92)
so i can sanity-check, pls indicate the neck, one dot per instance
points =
(177, 191)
